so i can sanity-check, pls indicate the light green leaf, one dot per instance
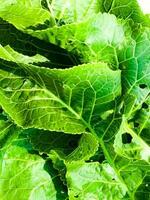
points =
(105, 101)
(9, 54)
(59, 165)
(95, 181)
(30, 46)
(135, 65)
(7, 130)
(144, 116)
(72, 10)
(68, 147)
(23, 13)
(96, 39)
(127, 161)
(23, 175)
(126, 9)
(142, 121)
(68, 100)
(136, 175)
(130, 145)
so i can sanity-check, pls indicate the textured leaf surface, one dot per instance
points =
(144, 116)
(23, 175)
(98, 38)
(130, 145)
(23, 13)
(127, 9)
(84, 129)
(30, 46)
(68, 147)
(9, 54)
(72, 10)
(136, 175)
(93, 181)
(60, 100)
(142, 121)
(99, 181)
(7, 130)
(135, 66)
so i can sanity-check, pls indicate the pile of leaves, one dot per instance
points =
(74, 100)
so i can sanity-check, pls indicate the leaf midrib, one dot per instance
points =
(87, 125)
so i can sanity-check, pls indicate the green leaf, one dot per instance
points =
(96, 39)
(93, 181)
(144, 116)
(30, 46)
(142, 121)
(68, 147)
(130, 145)
(135, 65)
(24, 175)
(68, 100)
(136, 175)
(23, 13)
(126, 9)
(8, 131)
(9, 54)
(86, 127)
(127, 161)
(72, 10)
(59, 165)
(99, 181)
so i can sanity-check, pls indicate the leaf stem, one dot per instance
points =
(51, 11)
(110, 161)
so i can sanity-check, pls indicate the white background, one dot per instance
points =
(145, 5)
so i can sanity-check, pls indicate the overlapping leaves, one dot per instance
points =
(19, 168)
(89, 124)
(58, 100)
